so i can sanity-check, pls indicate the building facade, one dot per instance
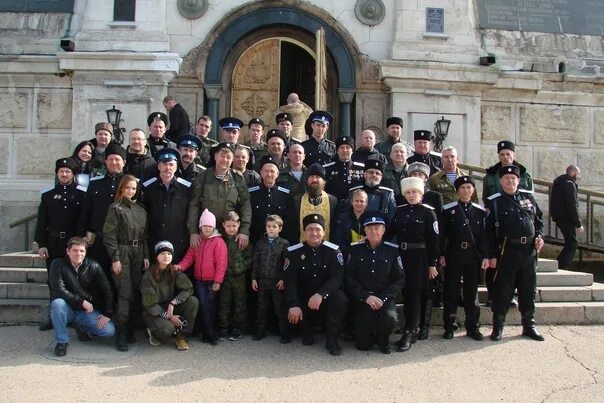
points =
(497, 71)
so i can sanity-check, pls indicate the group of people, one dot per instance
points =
(219, 238)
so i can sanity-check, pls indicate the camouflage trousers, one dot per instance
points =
(232, 303)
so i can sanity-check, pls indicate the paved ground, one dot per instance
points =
(568, 366)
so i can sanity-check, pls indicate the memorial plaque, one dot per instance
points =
(435, 20)
(583, 17)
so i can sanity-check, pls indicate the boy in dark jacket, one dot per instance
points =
(231, 305)
(267, 264)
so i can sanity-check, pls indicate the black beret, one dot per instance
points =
(505, 145)
(256, 121)
(463, 179)
(167, 154)
(267, 159)
(374, 164)
(344, 140)
(316, 169)
(321, 116)
(113, 148)
(509, 169)
(394, 121)
(283, 116)
(276, 133)
(313, 219)
(157, 115)
(218, 147)
(422, 135)
(65, 163)
(189, 140)
(230, 123)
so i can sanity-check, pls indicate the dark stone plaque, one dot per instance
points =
(435, 20)
(584, 17)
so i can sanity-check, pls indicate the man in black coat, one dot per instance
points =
(179, 119)
(564, 210)
(139, 161)
(81, 295)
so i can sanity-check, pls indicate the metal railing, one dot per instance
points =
(24, 221)
(588, 200)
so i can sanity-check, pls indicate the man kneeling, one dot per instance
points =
(374, 278)
(80, 294)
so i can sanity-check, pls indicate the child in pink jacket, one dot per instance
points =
(209, 260)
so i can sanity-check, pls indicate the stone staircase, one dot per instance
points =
(563, 297)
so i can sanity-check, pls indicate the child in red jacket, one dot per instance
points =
(210, 263)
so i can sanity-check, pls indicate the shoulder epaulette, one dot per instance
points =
(478, 206)
(149, 181)
(82, 188)
(329, 164)
(402, 205)
(494, 196)
(200, 167)
(357, 243)
(47, 189)
(296, 246)
(253, 189)
(391, 244)
(358, 164)
(427, 205)
(449, 205)
(284, 190)
(435, 153)
(183, 182)
(295, 140)
(331, 245)
(526, 191)
(355, 188)
(96, 178)
(385, 188)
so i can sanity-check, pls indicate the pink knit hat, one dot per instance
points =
(207, 218)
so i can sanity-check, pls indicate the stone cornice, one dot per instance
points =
(120, 61)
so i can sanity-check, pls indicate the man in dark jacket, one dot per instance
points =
(564, 210)
(139, 161)
(81, 295)
(179, 119)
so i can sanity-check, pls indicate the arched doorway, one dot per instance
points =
(296, 26)
(266, 73)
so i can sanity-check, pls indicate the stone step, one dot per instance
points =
(24, 291)
(547, 265)
(562, 278)
(21, 259)
(594, 292)
(22, 311)
(22, 275)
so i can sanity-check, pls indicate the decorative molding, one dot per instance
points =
(192, 9)
(370, 12)
(345, 96)
(213, 91)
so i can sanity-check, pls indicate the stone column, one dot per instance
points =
(345, 96)
(213, 92)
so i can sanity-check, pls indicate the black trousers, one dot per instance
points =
(567, 254)
(469, 268)
(418, 304)
(516, 270)
(265, 297)
(374, 326)
(330, 314)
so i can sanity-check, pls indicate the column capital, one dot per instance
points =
(346, 95)
(213, 91)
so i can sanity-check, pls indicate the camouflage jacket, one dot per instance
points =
(239, 260)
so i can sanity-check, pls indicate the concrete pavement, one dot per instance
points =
(568, 366)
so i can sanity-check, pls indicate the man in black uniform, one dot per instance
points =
(379, 197)
(58, 214)
(564, 210)
(166, 199)
(269, 198)
(313, 278)
(374, 279)
(367, 149)
(343, 173)
(317, 148)
(275, 145)
(188, 146)
(422, 140)
(463, 253)
(157, 122)
(394, 129)
(100, 194)
(514, 230)
(179, 119)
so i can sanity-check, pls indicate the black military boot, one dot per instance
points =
(331, 344)
(474, 333)
(424, 325)
(405, 342)
(449, 330)
(529, 330)
(498, 322)
(121, 337)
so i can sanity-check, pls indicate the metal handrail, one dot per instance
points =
(544, 187)
(24, 221)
